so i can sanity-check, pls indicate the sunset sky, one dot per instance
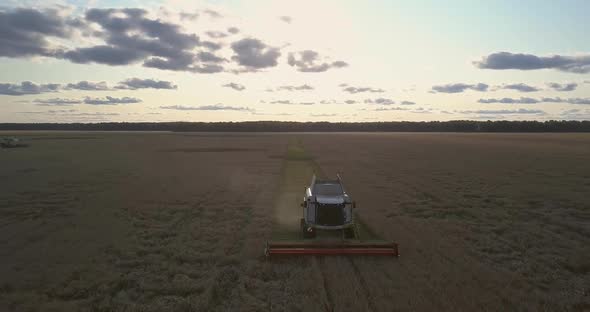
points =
(94, 61)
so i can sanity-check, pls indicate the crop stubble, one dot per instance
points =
(157, 221)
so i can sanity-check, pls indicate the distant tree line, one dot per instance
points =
(283, 126)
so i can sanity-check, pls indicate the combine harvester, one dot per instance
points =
(328, 212)
(11, 143)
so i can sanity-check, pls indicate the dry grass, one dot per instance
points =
(162, 221)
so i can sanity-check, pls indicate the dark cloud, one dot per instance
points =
(27, 87)
(522, 100)
(350, 102)
(407, 103)
(131, 37)
(209, 57)
(460, 87)
(585, 101)
(216, 107)
(211, 45)
(309, 61)
(254, 54)
(233, 30)
(56, 102)
(563, 87)
(183, 63)
(354, 90)
(520, 87)
(109, 100)
(286, 19)
(295, 88)
(137, 83)
(521, 111)
(235, 86)
(506, 60)
(24, 31)
(87, 86)
(104, 54)
(380, 101)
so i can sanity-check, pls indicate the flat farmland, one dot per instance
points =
(96, 221)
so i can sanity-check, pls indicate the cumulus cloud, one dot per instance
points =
(254, 54)
(527, 100)
(407, 103)
(235, 86)
(87, 86)
(519, 87)
(212, 13)
(354, 90)
(521, 111)
(24, 31)
(576, 114)
(583, 101)
(380, 101)
(350, 102)
(522, 100)
(295, 88)
(322, 115)
(189, 16)
(27, 87)
(505, 60)
(216, 34)
(233, 30)
(562, 87)
(384, 109)
(109, 100)
(281, 102)
(460, 87)
(286, 19)
(56, 102)
(132, 37)
(137, 83)
(310, 61)
(216, 107)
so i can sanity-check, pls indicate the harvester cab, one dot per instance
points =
(328, 225)
(327, 206)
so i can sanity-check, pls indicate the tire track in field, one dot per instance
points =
(305, 166)
(364, 286)
(296, 172)
(363, 283)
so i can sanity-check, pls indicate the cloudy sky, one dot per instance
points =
(172, 60)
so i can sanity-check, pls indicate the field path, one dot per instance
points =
(335, 275)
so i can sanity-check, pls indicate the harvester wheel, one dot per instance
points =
(304, 230)
(349, 233)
